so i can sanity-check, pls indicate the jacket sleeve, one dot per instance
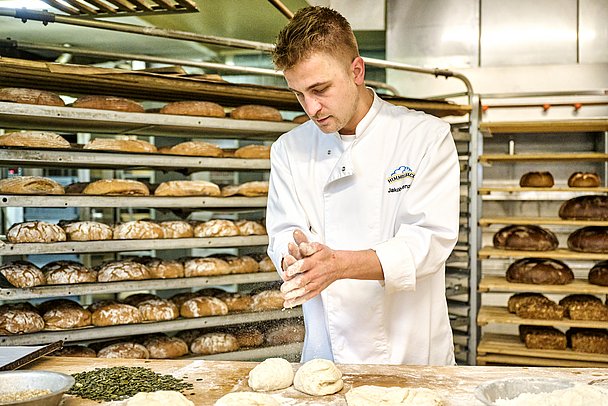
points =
(427, 222)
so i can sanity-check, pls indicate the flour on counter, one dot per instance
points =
(579, 395)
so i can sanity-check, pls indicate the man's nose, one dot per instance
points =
(312, 106)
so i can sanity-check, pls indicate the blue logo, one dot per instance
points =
(400, 175)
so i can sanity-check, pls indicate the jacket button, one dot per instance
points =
(343, 168)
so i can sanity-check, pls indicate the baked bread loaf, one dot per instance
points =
(34, 139)
(113, 314)
(542, 337)
(75, 188)
(108, 103)
(519, 299)
(180, 298)
(533, 306)
(61, 314)
(15, 319)
(271, 299)
(101, 303)
(584, 179)
(23, 274)
(525, 237)
(35, 231)
(250, 227)
(138, 230)
(256, 112)
(302, 118)
(285, 332)
(75, 351)
(187, 188)
(539, 271)
(124, 350)
(162, 269)
(163, 347)
(122, 271)
(188, 336)
(242, 264)
(588, 340)
(193, 148)
(216, 228)
(236, 302)
(87, 231)
(203, 306)
(63, 272)
(591, 207)
(205, 266)
(158, 310)
(214, 343)
(264, 262)
(194, 108)
(584, 307)
(116, 187)
(177, 229)
(253, 151)
(598, 275)
(112, 144)
(248, 189)
(30, 96)
(136, 298)
(30, 185)
(248, 336)
(589, 239)
(536, 179)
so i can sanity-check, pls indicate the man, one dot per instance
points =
(363, 207)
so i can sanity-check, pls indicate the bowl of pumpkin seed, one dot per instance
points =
(33, 388)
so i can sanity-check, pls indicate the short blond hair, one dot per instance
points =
(314, 29)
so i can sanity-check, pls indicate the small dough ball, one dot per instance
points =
(369, 395)
(318, 377)
(272, 374)
(160, 398)
(246, 398)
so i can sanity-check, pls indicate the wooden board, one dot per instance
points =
(501, 315)
(545, 126)
(487, 221)
(519, 360)
(586, 156)
(560, 253)
(213, 379)
(500, 284)
(517, 189)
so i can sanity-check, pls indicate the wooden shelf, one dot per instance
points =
(503, 344)
(500, 284)
(584, 157)
(556, 221)
(546, 126)
(501, 315)
(517, 189)
(560, 253)
(494, 359)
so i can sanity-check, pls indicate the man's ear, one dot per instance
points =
(358, 70)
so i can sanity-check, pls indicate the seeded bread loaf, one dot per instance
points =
(588, 340)
(542, 337)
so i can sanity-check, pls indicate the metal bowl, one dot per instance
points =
(17, 381)
(510, 388)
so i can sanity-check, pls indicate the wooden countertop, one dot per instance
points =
(213, 379)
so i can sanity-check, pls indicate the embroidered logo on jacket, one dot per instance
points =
(400, 178)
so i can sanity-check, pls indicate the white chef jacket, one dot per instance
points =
(394, 189)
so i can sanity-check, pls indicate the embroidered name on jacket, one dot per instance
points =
(400, 178)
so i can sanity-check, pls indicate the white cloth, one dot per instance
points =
(394, 189)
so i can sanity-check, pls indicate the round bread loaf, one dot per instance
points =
(111, 144)
(236, 302)
(177, 229)
(101, 303)
(205, 266)
(584, 179)
(253, 189)
(87, 231)
(124, 350)
(540, 271)
(589, 239)
(188, 336)
(180, 298)
(137, 298)
(163, 269)
(64, 272)
(30, 185)
(30, 96)
(138, 230)
(108, 103)
(23, 274)
(64, 314)
(75, 351)
(210, 292)
(253, 151)
(194, 108)
(75, 188)
(285, 332)
(302, 118)
(158, 310)
(256, 112)
(16, 319)
(598, 275)
(203, 306)
(116, 187)
(122, 271)
(248, 336)
(525, 237)
(193, 148)
(271, 299)
(250, 227)
(243, 264)
(187, 188)
(35, 231)
(113, 314)
(216, 228)
(163, 347)
(34, 139)
(591, 207)
(214, 343)
(266, 264)
(536, 179)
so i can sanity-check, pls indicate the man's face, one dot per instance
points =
(325, 87)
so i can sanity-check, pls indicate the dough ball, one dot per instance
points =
(369, 395)
(318, 377)
(272, 374)
(160, 398)
(246, 398)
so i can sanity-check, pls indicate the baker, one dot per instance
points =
(362, 208)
